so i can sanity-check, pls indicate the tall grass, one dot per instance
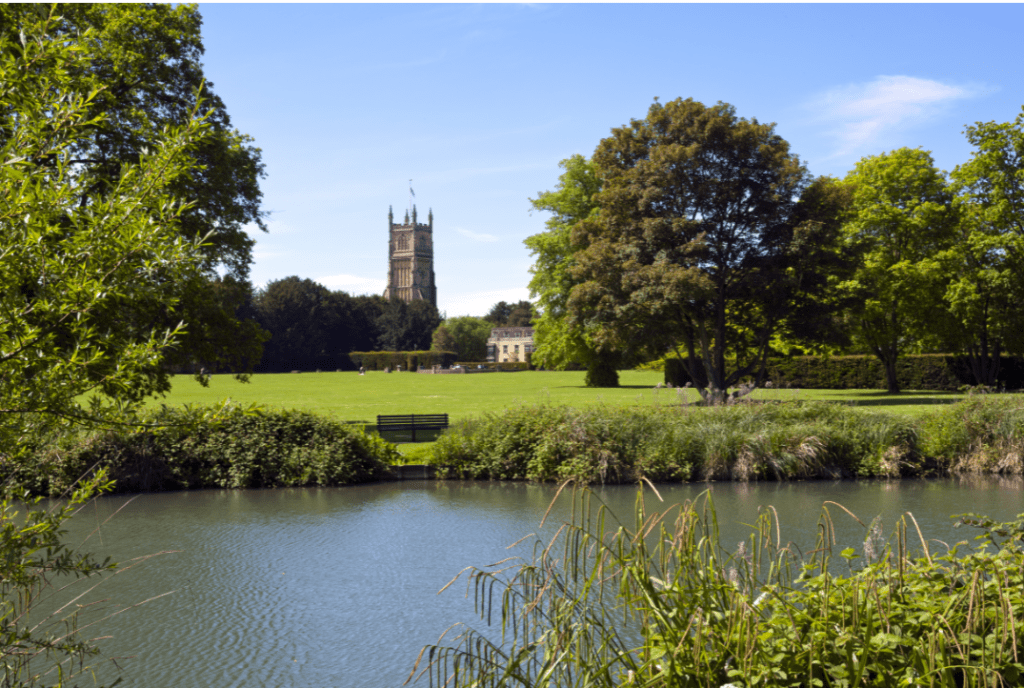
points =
(662, 604)
(741, 442)
(983, 434)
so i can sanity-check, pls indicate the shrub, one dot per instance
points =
(193, 449)
(740, 442)
(601, 373)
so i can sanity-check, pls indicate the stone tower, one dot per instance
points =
(411, 259)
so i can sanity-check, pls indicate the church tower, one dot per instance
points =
(411, 259)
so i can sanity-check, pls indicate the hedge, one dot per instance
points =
(409, 360)
(507, 366)
(942, 372)
(196, 448)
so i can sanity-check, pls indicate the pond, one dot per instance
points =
(338, 587)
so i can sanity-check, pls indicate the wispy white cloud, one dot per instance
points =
(475, 236)
(861, 115)
(353, 284)
(479, 302)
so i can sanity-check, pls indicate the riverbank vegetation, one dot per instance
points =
(746, 441)
(197, 448)
(663, 603)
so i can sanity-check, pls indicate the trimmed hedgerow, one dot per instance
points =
(740, 442)
(409, 360)
(194, 449)
(503, 366)
(941, 372)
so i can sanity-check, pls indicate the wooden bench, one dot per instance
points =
(412, 422)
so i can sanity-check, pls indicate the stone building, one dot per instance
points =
(411, 259)
(509, 344)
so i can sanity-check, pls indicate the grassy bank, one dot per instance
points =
(612, 436)
(741, 442)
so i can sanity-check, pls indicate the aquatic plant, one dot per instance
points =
(662, 604)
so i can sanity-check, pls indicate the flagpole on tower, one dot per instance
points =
(412, 195)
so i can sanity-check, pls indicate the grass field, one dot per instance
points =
(350, 396)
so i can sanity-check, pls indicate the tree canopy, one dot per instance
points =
(698, 211)
(900, 221)
(986, 260)
(466, 336)
(559, 342)
(76, 247)
(503, 314)
(146, 74)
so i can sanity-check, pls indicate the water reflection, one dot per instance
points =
(337, 586)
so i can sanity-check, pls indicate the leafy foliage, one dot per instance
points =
(309, 326)
(901, 219)
(406, 326)
(986, 259)
(466, 336)
(82, 252)
(145, 75)
(916, 371)
(696, 239)
(559, 342)
(504, 314)
(219, 447)
(409, 360)
(662, 603)
(67, 265)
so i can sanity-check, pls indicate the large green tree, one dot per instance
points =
(698, 211)
(73, 244)
(901, 221)
(146, 71)
(558, 341)
(986, 259)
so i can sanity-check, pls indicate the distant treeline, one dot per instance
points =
(306, 326)
(311, 327)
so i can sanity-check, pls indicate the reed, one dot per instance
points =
(662, 604)
(741, 442)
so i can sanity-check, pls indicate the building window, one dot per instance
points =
(517, 348)
(504, 348)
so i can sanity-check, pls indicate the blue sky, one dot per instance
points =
(477, 104)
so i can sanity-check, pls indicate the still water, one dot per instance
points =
(338, 587)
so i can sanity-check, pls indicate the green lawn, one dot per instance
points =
(350, 396)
